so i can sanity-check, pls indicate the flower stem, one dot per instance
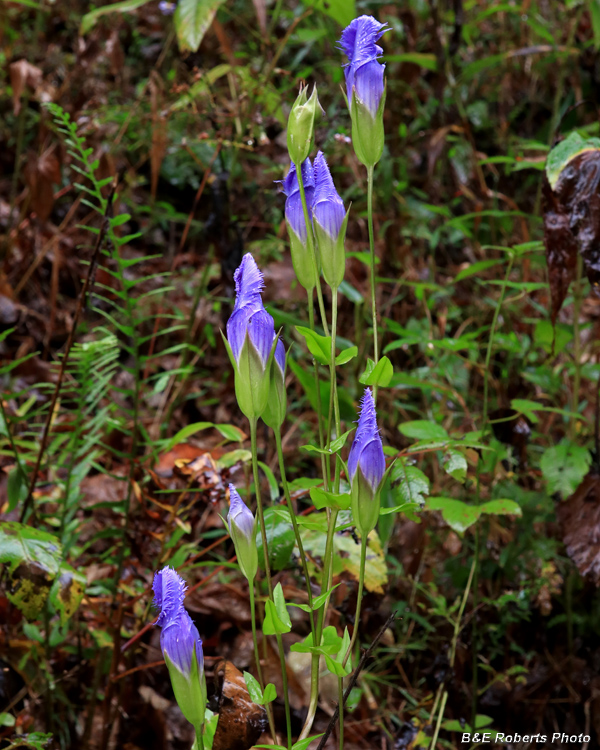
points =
(263, 534)
(257, 659)
(361, 581)
(311, 323)
(372, 258)
(288, 499)
(311, 246)
(341, 705)
(200, 738)
(333, 401)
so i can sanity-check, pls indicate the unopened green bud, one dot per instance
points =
(301, 125)
(190, 691)
(252, 378)
(276, 408)
(366, 504)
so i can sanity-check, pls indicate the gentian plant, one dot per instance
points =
(300, 246)
(182, 648)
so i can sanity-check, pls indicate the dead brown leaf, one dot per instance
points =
(579, 517)
(23, 74)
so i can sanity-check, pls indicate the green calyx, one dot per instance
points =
(301, 260)
(190, 691)
(365, 504)
(252, 377)
(246, 551)
(332, 253)
(367, 131)
(301, 125)
(276, 409)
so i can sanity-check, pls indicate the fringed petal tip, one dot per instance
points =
(169, 592)
(358, 40)
(249, 282)
(290, 181)
(367, 448)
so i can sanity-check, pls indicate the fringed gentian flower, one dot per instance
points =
(167, 8)
(329, 221)
(365, 86)
(242, 528)
(366, 467)
(250, 340)
(181, 646)
(304, 266)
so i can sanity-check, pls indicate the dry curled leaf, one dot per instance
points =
(579, 517)
(22, 74)
(241, 722)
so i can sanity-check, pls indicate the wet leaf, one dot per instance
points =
(459, 516)
(413, 484)
(564, 466)
(20, 544)
(280, 540)
(241, 721)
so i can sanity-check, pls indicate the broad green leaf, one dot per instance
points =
(192, 19)
(458, 515)
(564, 466)
(501, 507)
(378, 374)
(303, 744)
(280, 540)
(323, 499)
(422, 429)
(319, 346)
(231, 432)
(90, 19)
(24, 545)
(270, 693)
(7, 720)
(413, 483)
(186, 432)
(346, 355)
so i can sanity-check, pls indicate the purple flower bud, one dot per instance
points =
(242, 529)
(179, 636)
(328, 208)
(280, 356)
(240, 515)
(364, 73)
(293, 205)
(366, 453)
(249, 315)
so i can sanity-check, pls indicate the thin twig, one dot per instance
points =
(353, 680)
(80, 306)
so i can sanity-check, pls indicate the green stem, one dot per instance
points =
(257, 660)
(288, 499)
(263, 534)
(372, 258)
(200, 738)
(314, 672)
(311, 247)
(484, 427)
(333, 401)
(341, 705)
(361, 581)
(453, 645)
(311, 323)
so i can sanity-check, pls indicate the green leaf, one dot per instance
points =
(303, 744)
(270, 693)
(90, 19)
(346, 355)
(192, 19)
(423, 59)
(342, 11)
(254, 689)
(67, 592)
(280, 540)
(422, 429)
(230, 432)
(323, 499)
(277, 618)
(455, 464)
(475, 268)
(414, 484)
(318, 601)
(501, 507)
(7, 720)
(16, 487)
(340, 442)
(378, 374)
(458, 515)
(594, 7)
(319, 346)
(564, 466)
(186, 432)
